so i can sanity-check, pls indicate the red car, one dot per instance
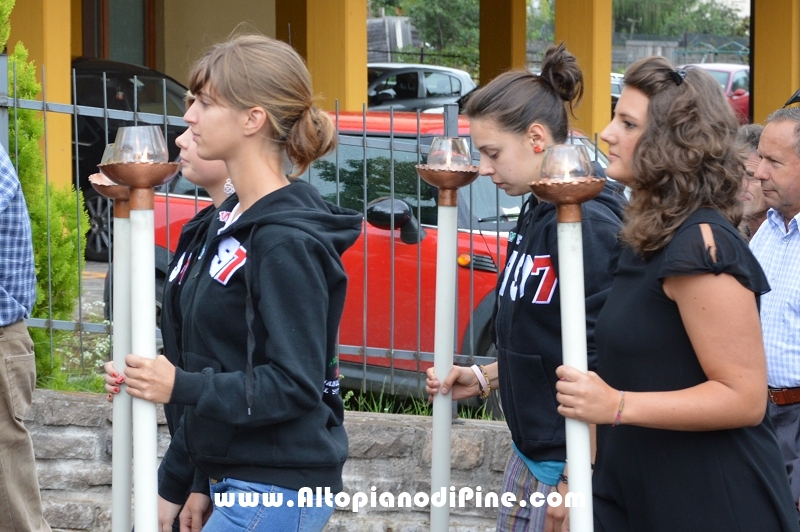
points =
(387, 330)
(735, 82)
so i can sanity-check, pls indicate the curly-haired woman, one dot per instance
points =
(682, 441)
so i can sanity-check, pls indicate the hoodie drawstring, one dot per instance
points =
(249, 380)
(191, 246)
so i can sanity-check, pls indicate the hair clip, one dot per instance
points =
(677, 76)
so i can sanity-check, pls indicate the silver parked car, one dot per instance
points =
(617, 83)
(408, 87)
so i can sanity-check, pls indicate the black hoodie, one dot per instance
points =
(176, 472)
(261, 315)
(527, 321)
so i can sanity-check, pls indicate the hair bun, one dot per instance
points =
(560, 70)
(312, 136)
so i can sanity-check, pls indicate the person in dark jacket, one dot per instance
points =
(176, 472)
(261, 308)
(513, 120)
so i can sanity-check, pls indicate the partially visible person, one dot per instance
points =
(754, 206)
(260, 312)
(777, 247)
(20, 501)
(513, 120)
(176, 473)
(679, 397)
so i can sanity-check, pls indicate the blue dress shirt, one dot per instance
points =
(778, 250)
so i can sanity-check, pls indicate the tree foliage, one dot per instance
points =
(5, 20)
(675, 17)
(53, 223)
(445, 23)
(390, 7)
(449, 29)
(541, 20)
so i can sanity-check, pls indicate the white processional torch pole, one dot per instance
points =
(142, 177)
(143, 343)
(448, 178)
(443, 360)
(568, 194)
(573, 331)
(121, 441)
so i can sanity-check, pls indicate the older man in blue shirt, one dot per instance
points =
(20, 502)
(777, 246)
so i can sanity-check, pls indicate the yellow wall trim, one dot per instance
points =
(585, 28)
(44, 27)
(776, 55)
(503, 37)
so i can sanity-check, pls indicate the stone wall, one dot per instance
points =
(72, 439)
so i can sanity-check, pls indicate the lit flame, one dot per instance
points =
(448, 159)
(144, 158)
(567, 177)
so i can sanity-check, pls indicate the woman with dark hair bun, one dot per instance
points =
(680, 393)
(513, 120)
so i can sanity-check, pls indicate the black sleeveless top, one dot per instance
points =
(653, 480)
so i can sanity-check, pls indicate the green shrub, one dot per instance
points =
(61, 272)
(384, 403)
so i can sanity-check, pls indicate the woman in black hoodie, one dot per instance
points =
(261, 309)
(513, 120)
(176, 472)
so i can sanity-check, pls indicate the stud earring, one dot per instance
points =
(537, 149)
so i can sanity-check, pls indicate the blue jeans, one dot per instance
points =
(239, 505)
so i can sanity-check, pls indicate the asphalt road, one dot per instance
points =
(92, 283)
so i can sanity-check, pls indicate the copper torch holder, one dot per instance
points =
(119, 193)
(448, 180)
(141, 178)
(568, 195)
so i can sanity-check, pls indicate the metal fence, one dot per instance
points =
(386, 338)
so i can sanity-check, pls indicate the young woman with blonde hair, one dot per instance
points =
(261, 308)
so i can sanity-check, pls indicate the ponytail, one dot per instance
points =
(312, 136)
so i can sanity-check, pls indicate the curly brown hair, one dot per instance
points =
(686, 158)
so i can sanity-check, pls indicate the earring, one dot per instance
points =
(537, 149)
(227, 188)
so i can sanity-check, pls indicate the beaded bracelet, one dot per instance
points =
(619, 410)
(488, 382)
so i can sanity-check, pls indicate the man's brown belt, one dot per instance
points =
(784, 396)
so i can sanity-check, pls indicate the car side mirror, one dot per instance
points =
(739, 92)
(379, 214)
